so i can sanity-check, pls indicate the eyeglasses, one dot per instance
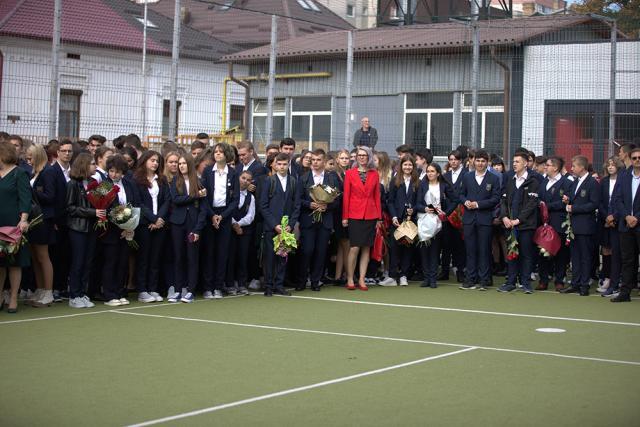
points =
(635, 158)
(363, 155)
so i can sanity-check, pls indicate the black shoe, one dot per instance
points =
(281, 291)
(460, 276)
(315, 288)
(434, 285)
(300, 288)
(444, 275)
(622, 297)
(339, 282)
(424, 285)
(268, 293)
(467, 285)
(570, 290)
(584, 292)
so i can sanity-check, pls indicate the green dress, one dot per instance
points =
(15, 197)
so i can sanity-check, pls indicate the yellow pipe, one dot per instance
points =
(319, 74)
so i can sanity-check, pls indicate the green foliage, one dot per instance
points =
(626, 12)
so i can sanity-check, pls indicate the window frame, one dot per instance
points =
(311, 114)
(72, 92)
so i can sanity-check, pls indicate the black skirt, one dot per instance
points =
(362, 232)
(43, 233)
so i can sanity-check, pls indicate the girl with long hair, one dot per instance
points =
(343, 161)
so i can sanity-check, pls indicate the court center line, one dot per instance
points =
(374, 337)
(463, 310)
(300, 389)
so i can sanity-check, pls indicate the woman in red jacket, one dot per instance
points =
(361, 210)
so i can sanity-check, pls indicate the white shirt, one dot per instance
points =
(434, 189)
(580, 181)
(479, 178)
(407, 183)
(65, 172)
(220, 187)
(521, 180)
(186, 184)
(153, 192)
(552, 181)
(612, 183)
(122, 195)
(97, 175)
(422, 175)
(318, 179)
(283, 182)
(248, 165)
(251, 212)
(455, 175)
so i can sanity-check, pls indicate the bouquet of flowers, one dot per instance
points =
(455, 217)
(406, 233)
(126, 217)
(285, 242)
(322, 194)
(12, 239)
(566, 225)
(545, 236)
(512, 246)
(101, 196)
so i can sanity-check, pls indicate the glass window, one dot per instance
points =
(321, 132)
(312, 104)
(260, 106)
(350, 11)
(304, 4)
(260, 129)
(166, 106)
(466, 130)
(493, 133)
(416, 130)
(485, 100)
(430, 100)
(300, 129)
(69, 114)
(236, 116)
(441, 133)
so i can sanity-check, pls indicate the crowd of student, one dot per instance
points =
(209, 218)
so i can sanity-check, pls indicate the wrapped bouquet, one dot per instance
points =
(322, 194)
(101, 196)
(12, 239)
(285, 242)
(126, 217)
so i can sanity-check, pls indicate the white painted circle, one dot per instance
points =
(551, 330)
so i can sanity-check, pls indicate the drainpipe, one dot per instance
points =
(247, 102)
(507, 103)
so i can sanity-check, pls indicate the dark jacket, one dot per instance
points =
(399, 198)
(448, 176)
(233, 191)
(373, 138)
(80, 215)
(55, 186)
(146, 203)
(44, 191)
(553, 199)
(448, 197)
(274, 203)
(306, 213)
(621, 201)
(487, 194)
(528, 205)
(184, 206)
(584, 205)
(113, 233)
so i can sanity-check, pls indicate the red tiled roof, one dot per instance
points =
(413, 38)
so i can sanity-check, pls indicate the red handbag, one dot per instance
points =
(545, 236)
(379, 246)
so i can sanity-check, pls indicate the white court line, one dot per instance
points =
(374, 337)
(299, 389)
(462, 310)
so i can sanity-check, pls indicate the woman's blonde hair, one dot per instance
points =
(384, 168)
(38, 158)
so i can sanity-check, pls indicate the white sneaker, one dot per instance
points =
(156, 296)
(207, 295)
(87, 302)
(76, 303)
(171, 291)
(605, 285)
(174, 297)
(254, 285)
(46, 298)
(34, 296)
(184, 292)
(403, 281)
(113, 303)
(388, 281)
(124, 301)
(188, 298)
(217, 294)
(146, 297)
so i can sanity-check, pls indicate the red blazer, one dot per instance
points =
(361, 201)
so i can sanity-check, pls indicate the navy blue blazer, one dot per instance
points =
(146, 203)
(448, 176)
(113, 231)
(183, 206)
(621, 201)
(584, 205)
(399, 197)
(257, 170)
(280, 203)
(553, 199)
(22, 164)
(233, 191)
(486, 194)
(448, 196)
(55, 186)
(306, 213)
(45, 193)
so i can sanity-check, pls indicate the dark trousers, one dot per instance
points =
(429, 254)
(400, 257)
(477, 242)
(60, 258)
(186, 258)
(523, 265)
(217, 253)
(315, 241)
(630, 249)
(612, 264)
(453, 248)
(581, 260)
(168, 261)
(555, 267)
(239, 262)
(275, 266)
(114, 269)
(149, 253)
(82, 249)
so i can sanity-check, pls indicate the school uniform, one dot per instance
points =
(259, 173)
(584, 198)
(520, 201)
(115, 250)
(447, 198)
(187, 216)
(240, 244)
(555, 268)
(609, 237)
(154, 203)
(223, 194)
(55, 180)
(279, 196)
(452, 243)
(400, 199)
(314, 235)
(44, 234)
(484, 190)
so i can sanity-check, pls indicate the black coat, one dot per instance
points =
(528, 210)
(80, 214)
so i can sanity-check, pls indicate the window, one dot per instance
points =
(166, 107)
(150, 24)
(259, 129)
(236, 116)
(313, 6)
(69, 115)
(350, 11)
(227, 4)
(311, 122)
(304, 4)
(490, 117)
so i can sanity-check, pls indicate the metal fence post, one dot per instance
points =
(175, 58)
(272, 78)
(347, 100)
(55, 67)
(612, 88)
